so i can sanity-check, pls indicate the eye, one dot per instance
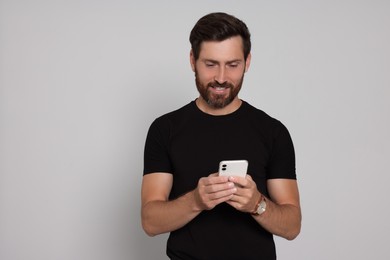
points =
(210, 64)
(233, 65)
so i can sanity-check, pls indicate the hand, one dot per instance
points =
(213, 190)
(246, 196)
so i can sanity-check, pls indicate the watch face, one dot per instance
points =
(261, 208)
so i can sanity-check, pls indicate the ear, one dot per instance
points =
(192, 60)
(248, 62)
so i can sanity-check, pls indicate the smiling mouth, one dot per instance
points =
(219, 88)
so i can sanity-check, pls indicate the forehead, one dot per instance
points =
(229, 49)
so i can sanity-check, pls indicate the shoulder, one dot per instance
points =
(175, 114)
(262, 119)
(166, 121)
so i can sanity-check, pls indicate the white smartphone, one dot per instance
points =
(233, 168)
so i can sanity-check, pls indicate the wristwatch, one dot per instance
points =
(261, 206)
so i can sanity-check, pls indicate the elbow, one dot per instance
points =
(150, 224)
(292, 236)
(147, 224)
(151, 229)
(295, 228)
(293, 233)
(148, 232)
(148, 229)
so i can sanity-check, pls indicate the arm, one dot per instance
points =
(283, 214)
(161, 215)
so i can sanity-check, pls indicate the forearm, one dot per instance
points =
(281, 220)
(165, 216)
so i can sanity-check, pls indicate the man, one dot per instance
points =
(211, 216)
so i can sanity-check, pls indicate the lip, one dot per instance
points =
(219, 90)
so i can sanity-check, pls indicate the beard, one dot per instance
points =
(215, 100)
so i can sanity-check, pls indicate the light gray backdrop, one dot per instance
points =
(81, 81)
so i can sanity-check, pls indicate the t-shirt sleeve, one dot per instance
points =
(282, 160)
(156, 156)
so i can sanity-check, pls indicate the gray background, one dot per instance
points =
(81, 81)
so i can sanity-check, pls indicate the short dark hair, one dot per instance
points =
(219, 27)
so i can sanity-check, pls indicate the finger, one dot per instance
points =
(221, 200)
(212, 199)
(248, 177)
(242, 196)
(240, 181)
(223, 193)
(220, 187)
(238, 198)
(234, 204)
(239, 203)
(212, 179)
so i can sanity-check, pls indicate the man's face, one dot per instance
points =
(219, 71)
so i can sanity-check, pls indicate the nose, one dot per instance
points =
(220, 77)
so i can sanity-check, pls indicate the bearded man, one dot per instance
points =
(211, 216)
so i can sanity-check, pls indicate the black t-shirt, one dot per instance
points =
(189, 144)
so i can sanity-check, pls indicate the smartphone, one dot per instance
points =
(233, 168)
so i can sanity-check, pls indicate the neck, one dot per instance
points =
(206, 108)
